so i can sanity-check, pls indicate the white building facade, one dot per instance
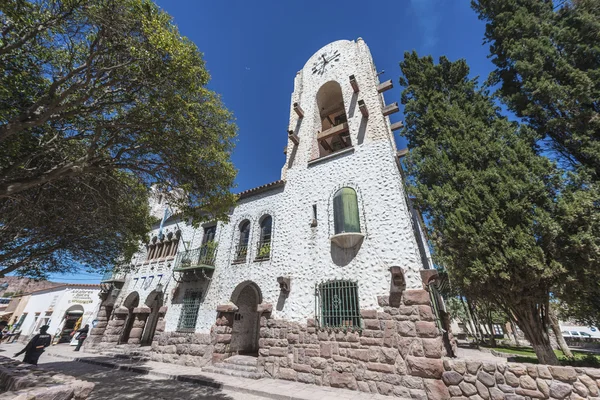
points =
(332, 248)
(63, 308)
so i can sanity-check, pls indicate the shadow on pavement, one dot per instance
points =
(119, 384)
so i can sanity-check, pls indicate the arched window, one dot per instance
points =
(337, 304)
(263, 251)
(334, 134)
(242, 247)
(345, 211)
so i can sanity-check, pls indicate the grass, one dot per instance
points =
(527, 355)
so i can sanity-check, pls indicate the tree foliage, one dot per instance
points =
(547, 58)
(99, 100)
(486, 193)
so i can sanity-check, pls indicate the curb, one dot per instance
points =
(199, 380)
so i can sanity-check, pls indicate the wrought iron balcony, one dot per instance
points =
(201, 257)
(263, 250)
(241, 252)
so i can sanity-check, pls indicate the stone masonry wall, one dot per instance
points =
(488, 380)
(191, 349)
(398, 352)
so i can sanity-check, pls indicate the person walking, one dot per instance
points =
(82, 335)
(36, 346)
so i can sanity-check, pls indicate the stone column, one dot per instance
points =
(114, 327)
(221, 331)
(98, 331)
(140, 315)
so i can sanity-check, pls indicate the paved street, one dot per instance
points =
(118, 384)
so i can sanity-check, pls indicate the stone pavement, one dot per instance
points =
(265, 387)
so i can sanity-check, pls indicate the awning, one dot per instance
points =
(75, 312)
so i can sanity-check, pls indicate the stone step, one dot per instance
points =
(232, 372)
(237, 367)
(241, 360)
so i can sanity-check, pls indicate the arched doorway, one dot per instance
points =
(131, 302)
(244, 336)
(155, 302)
(72, 315)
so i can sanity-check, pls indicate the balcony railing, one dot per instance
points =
(263, 250)
(203, 256)
(110, 276)
(241, 252)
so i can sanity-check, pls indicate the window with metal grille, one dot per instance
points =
(336, 305)
(189, 312)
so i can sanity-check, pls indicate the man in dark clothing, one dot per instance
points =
(36, 346)
(82, 335)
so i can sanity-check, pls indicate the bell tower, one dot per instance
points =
(337, 106)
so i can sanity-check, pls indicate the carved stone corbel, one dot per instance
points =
(397, 286)
(284, 284)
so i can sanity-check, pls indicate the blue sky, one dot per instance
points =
(253, 50)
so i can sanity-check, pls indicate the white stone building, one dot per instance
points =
(326, 247)
(61, 308)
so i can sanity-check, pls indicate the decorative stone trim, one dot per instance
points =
(428, 276)
(142, 310)
(264, 308)
(227, 308)
(121, 310)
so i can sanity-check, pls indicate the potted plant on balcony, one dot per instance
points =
(264, 251)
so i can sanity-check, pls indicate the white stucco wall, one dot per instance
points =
(58, 301)
(299, 251)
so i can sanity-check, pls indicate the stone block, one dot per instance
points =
(452, 378)
(511, 379)
(416, 297)
(527, 382)
(342, 380)
(307, 378)
(468, 389)
(436, 389)
(302, 367)
(406, 328)
(384, 388)
(432, 347)
(224, 338)
(227, 308)
(544, 372)
(565, 374)
(486, 379)
(560, 390)
(264, 308)
(590, 384)
(426, 329)
(368, 314)
(580, 389)
(371, 341)
(528, 393)
(496, 394)
(318, 363)
(136, 333)
(362, 355)
(517, 369)
(278, 351)
(473, 367)
(425, 367)
(371, 324)
(482, 390)
(387, 355)
(288, 374)
(418, 394)
(381, 367)
(593, 372)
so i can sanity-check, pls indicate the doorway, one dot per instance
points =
(131, 302)
(155, 302)
(72, 315)
(245, 332)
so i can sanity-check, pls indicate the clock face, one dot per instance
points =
(326, 60)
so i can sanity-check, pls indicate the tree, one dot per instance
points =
(486, 193)
(547, 62)
(95, 93)
(547, 58)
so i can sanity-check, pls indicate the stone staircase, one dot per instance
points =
(240, 366)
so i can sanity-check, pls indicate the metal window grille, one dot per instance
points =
(240, 253)
(336, 305)
(189, 312)
(263, 248)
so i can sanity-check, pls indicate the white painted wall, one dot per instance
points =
(58, 301)
(300, 251)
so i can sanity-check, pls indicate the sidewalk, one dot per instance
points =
(265, 387)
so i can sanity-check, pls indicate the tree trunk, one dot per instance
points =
(476, 322)
(532, 319)
(491, 328)
(514, 332)
(556, 329)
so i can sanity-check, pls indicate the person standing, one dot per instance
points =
(82, 335)
(36, 346)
